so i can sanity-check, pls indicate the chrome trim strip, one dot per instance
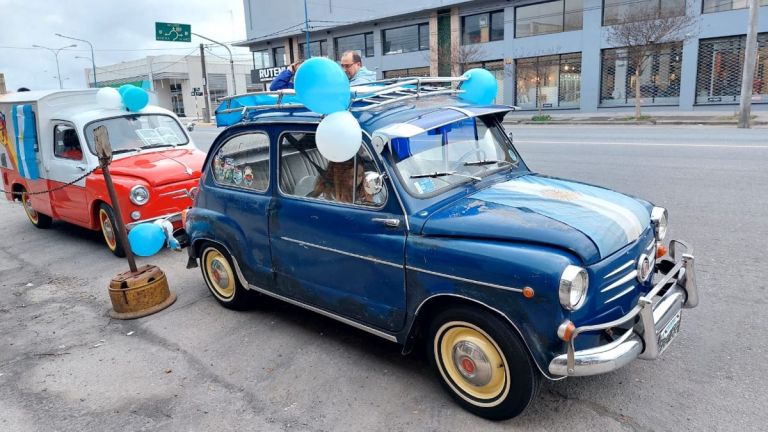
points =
(619, 295)
(416, 314)
(463, 111)
(323, 312)
(171, 217)
(628, 277)
(488, 284)
(378, 261)
(618, 270)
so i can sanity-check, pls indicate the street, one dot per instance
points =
(65, 365)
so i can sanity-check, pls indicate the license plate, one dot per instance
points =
(667, 335)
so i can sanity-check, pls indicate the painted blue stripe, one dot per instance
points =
(607, 229)
(19, 148)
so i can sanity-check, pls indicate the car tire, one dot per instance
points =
(109, 230)
(38, 219)
(464, 344)
(219, 275)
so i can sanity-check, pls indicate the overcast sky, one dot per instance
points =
(119, 31)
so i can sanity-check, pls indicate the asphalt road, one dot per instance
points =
(64, 365)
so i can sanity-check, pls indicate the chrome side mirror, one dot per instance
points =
(373, 182)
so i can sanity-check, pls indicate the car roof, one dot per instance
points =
(418, 114)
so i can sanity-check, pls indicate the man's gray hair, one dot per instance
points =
(355, 56)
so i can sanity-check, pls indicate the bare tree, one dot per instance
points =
(460, 56)
(645, 33)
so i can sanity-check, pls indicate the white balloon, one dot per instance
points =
(109, 98)
(339, 136)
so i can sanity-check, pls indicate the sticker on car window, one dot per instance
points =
(229, 166)
(237, 176)
(425, 185)
(218, 168)
(248, 176)
(150, 136)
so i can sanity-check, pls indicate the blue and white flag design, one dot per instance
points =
(612, 220)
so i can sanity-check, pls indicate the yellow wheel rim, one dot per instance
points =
(472, 363)
(219, 274)
(31, 213)
(107, 229)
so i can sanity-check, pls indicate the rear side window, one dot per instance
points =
(66, 145)
(243, 162)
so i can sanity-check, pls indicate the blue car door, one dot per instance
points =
(335, 246)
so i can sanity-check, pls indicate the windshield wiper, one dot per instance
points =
(118, 151)
(487, 162)
(443, 174)
(149, 146)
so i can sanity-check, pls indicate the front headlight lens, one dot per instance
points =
(139, 195)
(574, 283)
(659, 220)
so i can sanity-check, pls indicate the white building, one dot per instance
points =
(178, 80)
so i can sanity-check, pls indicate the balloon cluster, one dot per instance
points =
(323, 87)
(127, 97)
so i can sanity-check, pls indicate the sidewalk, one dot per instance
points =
(759, 118)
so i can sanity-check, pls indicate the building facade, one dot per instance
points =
(177, 81)
(546, 55)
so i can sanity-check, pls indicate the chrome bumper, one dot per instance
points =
(645, 339)
(172, 217)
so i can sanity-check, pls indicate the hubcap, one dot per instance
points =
(220, 275)
(107, 229)
(31, 213)
(471, 362)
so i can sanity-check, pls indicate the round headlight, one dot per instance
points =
(659, 220)
(573, 287)
(139, 195)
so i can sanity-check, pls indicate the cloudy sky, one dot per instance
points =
(119, 31)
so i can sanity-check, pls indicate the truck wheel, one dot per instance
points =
(39, 220)
(221, 279)
(482, 362)
(109, 230)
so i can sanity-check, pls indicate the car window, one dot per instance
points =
(243, 162)
(304, 172)
(66, 145)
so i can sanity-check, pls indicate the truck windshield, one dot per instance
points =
(136, 132)
(449, 155)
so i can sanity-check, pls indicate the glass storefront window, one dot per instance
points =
(659, 80)
(622, 11)
(260, 59)
(402, 73)
(710, 6)
(548, 82)
(279, 55)
(484, 27)
(496, 67)
(406, 39)
(720, 68)
(316, 49)
(550, 17)
(362, 43)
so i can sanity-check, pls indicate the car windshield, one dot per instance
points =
(136, 132)
(449, 155)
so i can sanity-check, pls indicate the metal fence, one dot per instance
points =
(659, 76)
(720, 67)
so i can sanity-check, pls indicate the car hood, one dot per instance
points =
(161, 167)
(589, 221)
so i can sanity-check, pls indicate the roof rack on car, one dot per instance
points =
(363, 97)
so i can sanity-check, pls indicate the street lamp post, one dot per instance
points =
(231, 62)
(56, 55)
(93, 59)
(94, 70)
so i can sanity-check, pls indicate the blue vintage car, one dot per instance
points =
(436, 231)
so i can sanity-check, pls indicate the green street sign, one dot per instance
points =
(173, 32)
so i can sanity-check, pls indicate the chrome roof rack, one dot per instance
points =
(364, 96)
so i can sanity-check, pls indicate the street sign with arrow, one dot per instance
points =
(173, 32)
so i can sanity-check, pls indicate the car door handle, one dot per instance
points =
(394, 223)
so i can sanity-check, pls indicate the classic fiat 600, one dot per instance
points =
(436, 231)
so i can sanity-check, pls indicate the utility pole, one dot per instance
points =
(150, 75)
(207, 110)
(306, 30)
(231, 61)
(748, 75)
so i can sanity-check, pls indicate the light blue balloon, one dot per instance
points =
(146, 239)
(322, 86)
(479, 88)
(123, 88)
(135, 99)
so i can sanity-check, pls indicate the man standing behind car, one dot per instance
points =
(356, 72)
